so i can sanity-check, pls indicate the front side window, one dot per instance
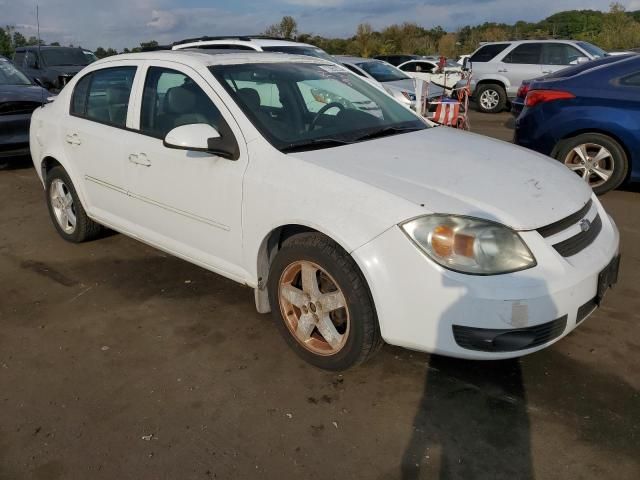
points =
(594, 51)
(559, 54)
(488, 52)
(525, 54)
(172, 99)
(321, 105)
(382, 72)
(103, 95)
(409, 67)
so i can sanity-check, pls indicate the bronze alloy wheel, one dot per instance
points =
(314, 308)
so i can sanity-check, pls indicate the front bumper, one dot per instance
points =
(420, 304)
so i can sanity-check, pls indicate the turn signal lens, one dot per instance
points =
(469, 245)
(534, 97)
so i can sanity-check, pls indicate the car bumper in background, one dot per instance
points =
(14, 135)
(423, 306)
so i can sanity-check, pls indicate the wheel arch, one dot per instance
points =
(269, 247)
(46, 164)
(492, 81)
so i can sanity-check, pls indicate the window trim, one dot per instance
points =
(92, 72)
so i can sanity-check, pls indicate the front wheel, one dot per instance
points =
(321, 303)
(598, 159)
(491, 98)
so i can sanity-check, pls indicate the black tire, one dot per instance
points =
(85, 228)
(492, 89)
(619, 161)
(363, 339)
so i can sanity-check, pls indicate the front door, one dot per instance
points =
(522, 63)
(186, 202)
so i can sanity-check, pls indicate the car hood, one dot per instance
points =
(454, 172)
(406, 84)
(22, 93)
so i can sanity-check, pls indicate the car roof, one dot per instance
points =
(208, 58)
(356, 60)
(248, 40)
(518, 42)
(45, 47)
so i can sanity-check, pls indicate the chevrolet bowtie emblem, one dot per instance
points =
(585, 225)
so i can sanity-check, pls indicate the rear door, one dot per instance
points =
(556, 56)
(521, 63)
(96, 138)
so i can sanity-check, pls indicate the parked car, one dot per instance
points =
(50, 67)
(19, 97)
(517, 105)
(587, 118)
(396, 60)
(352, 228)
(90, 56)
(256, 43)
(499, 68)
(395, 82)
(427, 70)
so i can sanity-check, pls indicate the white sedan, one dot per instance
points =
(352, 227)
(427, 70)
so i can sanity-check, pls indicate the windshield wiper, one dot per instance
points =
(314, 144)
(386, 132)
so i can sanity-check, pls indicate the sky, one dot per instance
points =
(126, 23)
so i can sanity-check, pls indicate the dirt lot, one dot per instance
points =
(118, 361)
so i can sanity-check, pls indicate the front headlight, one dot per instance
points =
(469, 245)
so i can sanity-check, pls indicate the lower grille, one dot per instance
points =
(508, 340)
(579, 242)
(585, 310)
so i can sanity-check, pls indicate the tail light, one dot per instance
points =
(534, 97)
(523, 90)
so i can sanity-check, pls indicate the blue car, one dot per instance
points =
(587, 117)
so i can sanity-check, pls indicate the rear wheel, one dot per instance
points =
(66, 211)
(491, 98)
(598, 159)
(321, 303)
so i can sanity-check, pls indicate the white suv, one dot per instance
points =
(499, 68)
(255, 43)
(353, 225)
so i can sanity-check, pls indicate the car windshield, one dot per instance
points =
(593, 50)
(306, 106)
(10, 75)
(381, 71)
(301, 50)
(64, 56)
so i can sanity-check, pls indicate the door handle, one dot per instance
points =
(503, 70)
(73, 139)
(139, 159)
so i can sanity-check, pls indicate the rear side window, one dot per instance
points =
(103, 95)
(527, 54)
(172, 99)
(488, 52)
(559, 54)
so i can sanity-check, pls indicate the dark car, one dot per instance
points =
(396, 60)
(517, 105)
(587, 117)
(50, 67)
(19, 97)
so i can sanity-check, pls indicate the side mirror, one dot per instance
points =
(581, 60)
(466, 64)
(202, 137)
